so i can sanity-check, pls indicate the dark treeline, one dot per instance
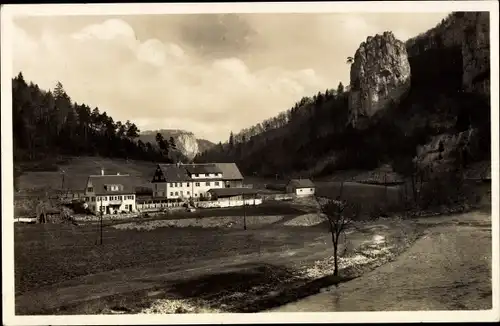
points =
(49, 124)
(290, 141)
(314, 137)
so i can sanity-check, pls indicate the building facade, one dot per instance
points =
(301, 187)
(192, 181)
(111, 194)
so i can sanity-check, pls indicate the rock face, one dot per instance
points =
(471, 32)
(185, 141)
(187, 144)
(439, 151)
(476, 53)
(380, 75)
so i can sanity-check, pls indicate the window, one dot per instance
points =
(156, 186)
(216, 183)
(188, 193)
(208, 183)
(187, 184)
(171, 193)
(197, 184)
(196, 195)
(90, 189)
(92, 199)
(196, 174)
(171, 185)
(105, 198)
(120, 197)
(300, 190)
(177, 193)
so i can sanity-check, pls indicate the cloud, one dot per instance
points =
(207, 74)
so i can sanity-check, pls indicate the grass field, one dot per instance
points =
(233, 269)
(77, 170)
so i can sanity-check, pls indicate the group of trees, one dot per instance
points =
(288, 141)
(49, 123)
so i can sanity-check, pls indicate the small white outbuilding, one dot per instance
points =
(301, 187)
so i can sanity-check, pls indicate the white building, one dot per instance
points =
(110, 193)
(301, 187)
(182, 181)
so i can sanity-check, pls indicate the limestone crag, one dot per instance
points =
(185, 141)
(380, 75)
(468, 30)
(440, 149)
(187, 144)
(476, 53)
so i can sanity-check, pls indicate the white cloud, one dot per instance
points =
(171, 83)
(158, 84)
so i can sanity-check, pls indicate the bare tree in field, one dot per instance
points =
(339, 215)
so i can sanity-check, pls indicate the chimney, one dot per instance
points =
(102, 171)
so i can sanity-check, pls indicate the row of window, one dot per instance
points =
(197, 184)
(208, 175)
(105, 198)
(176, 193)
(107, 188)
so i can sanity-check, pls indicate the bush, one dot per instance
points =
(443, 189)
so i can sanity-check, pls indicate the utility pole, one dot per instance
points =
(100, 227)
(244, 214)
(385, 186)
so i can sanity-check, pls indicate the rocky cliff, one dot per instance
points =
(380, 76)
(186, 141)
(468, 31)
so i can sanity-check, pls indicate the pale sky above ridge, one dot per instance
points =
(208, 74)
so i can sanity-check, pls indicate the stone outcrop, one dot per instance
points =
(185, 141)
(469, 31)
(476, 53)
(439, 151)
(187, 144)
(380, 75)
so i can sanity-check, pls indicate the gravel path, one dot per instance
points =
(447, 269)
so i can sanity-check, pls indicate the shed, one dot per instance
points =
(301, 187)
(233, 193)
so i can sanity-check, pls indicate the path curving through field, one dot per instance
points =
(449, 268)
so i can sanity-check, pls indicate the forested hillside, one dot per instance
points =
(315, 138)
(47, 124)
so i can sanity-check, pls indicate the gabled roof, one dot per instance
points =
(301, 183)
(174, 173)
(99, 181)
(230, 171)
(202, 168)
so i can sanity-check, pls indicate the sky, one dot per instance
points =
(205, 73)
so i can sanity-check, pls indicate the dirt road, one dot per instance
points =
(447, 269)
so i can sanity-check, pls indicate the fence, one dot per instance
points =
(152, 207)
(278, 197)
(222, 203)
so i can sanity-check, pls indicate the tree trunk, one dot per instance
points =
(335, 259)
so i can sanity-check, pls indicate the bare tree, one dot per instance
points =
(339, 214)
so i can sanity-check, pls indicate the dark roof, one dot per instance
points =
(228, 192)
(301, 183)
(174, 173)
(230, 171)
(202, 168)
(99, 181)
